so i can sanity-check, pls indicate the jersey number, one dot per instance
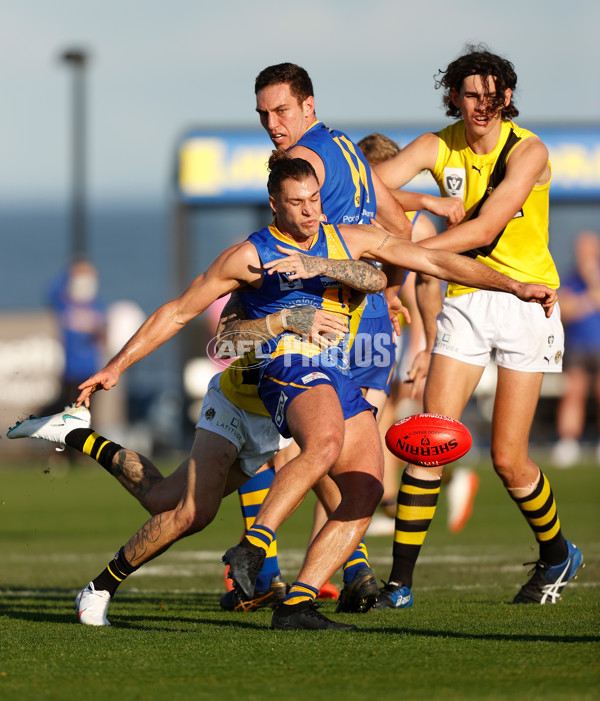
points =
(357, 168)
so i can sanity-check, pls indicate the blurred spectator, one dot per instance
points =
(579, 297)
(81, 316)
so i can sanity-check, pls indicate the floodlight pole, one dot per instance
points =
(77, 59)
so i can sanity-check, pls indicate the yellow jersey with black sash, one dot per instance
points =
(520, 250)
(240, 380)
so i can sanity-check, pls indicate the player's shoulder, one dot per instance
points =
(423, 149)
(529, 146)
(243, 252)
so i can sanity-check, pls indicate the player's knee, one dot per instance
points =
(372, 495)
(500, 459)
(361, 492)
(157, 501)
(191, 519)
(508, 463)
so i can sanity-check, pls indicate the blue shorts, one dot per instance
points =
(287, 376)
(373, 353)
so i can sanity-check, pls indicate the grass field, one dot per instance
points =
(169, 638)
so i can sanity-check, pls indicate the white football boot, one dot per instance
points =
(92, 605)
(52, 428)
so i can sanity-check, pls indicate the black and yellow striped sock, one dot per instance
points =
(115, 572)
(539, 509)
(90, 443)
(300, 593)
(417, 500)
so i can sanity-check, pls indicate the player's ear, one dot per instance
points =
(309, 105)
(507, 97)
(323, 218)
(454, 96)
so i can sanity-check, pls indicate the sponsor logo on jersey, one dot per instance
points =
(314, 376)
(280, 413)
(209, 414)
(285, 284)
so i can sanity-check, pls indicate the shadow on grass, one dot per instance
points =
(506, 637)
(41, 606)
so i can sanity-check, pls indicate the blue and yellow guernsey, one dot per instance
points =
(347, 195)
(239, 381)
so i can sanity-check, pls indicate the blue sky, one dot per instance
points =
(159, 67)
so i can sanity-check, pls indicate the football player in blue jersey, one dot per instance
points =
(350, 194)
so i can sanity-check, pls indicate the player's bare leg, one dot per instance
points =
(213, 472)
(358, 474)
(315, 419)
(142, 479)
(559, 560)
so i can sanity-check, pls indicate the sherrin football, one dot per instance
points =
(428, 439)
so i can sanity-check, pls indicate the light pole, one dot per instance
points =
(77, 59)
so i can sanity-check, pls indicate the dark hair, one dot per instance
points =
(478, 60)
(283, 167)
(378, 148)
(289, 74)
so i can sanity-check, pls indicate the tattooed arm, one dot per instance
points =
(305, 321)
(358, 274)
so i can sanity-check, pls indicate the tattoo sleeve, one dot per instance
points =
(234, 326)
(358, 274)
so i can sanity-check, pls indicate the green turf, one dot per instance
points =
(462, 639)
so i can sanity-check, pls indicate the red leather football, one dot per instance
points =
(428, 439)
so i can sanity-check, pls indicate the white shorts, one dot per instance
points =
(255, 436)
(479, 325)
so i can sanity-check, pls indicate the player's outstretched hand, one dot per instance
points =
(104, 379)
(541, 294)
(296, 265)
